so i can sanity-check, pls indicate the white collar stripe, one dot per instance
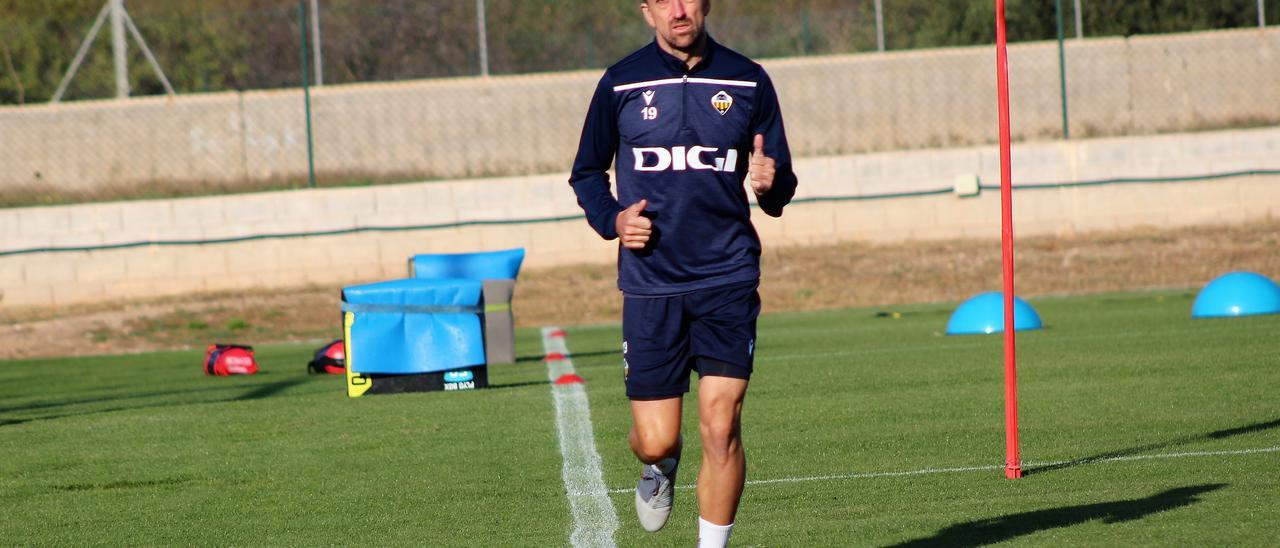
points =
(670, 81)
(739, 83)
(649, 84)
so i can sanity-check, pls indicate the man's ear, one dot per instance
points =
(706, 7)
(648, 17)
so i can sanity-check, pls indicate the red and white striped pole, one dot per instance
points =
(1012, 463)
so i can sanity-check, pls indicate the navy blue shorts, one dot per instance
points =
(711, 331)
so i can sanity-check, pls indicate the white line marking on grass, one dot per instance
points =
(594, 519)
(864, 351)
(861, 475)
(1185, 454)
(1025, 467)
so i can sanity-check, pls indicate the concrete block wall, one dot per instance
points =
(472, 127)
(1056, 211)
(540, 213)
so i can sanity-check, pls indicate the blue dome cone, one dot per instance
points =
(1237, 294)
(984, 314)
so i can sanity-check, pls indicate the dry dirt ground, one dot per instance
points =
(794, 278)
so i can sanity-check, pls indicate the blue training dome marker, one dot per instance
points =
(984, 314)
(1237, 294)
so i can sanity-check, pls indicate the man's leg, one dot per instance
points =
(724, 462)
(656, 372)
(655, 429)
(655, 439)
(723, 339)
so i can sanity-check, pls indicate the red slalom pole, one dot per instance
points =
(1012, 463)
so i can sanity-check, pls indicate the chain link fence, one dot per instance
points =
(401, 90)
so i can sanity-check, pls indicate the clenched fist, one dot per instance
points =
(633, 228)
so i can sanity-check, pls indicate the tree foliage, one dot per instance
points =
(214, 45)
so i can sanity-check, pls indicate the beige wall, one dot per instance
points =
(515, 125)
(45, 278)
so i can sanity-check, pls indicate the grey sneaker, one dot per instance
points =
(655, 495)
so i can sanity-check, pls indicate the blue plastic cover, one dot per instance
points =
(480, 266)
(984, 314)
(1237, 294)
(414, 326)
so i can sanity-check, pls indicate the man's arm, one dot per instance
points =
(767, 122)
(590, 177)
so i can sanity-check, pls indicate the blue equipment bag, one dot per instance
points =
(414, 334)
(498, 270)
(484, 265)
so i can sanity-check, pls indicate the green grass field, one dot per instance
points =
(1140, 426)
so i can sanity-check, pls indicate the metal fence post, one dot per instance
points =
(1079, 21)
(80, 53)
(483, 38)
(118, 49)
(306, 92)
(1062, 72)
(1262, 14)
(880, 26)
(315, 47)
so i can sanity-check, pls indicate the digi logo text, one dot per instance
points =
(682, 158)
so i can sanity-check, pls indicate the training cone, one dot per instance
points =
(1237, 294)
(984, 314)
(570, 379)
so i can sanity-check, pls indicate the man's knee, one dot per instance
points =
(651, 446)
(721, 435)
(720, 415)
(720, 430)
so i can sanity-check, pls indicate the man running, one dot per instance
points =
(682, 115)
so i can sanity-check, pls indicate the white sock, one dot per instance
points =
(711, 535)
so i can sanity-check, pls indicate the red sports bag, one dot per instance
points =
(330, 358)
(229, 359)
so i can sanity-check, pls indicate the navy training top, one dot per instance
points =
(682, 138)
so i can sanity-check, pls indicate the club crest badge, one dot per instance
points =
(648, 97)
(722, 101)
